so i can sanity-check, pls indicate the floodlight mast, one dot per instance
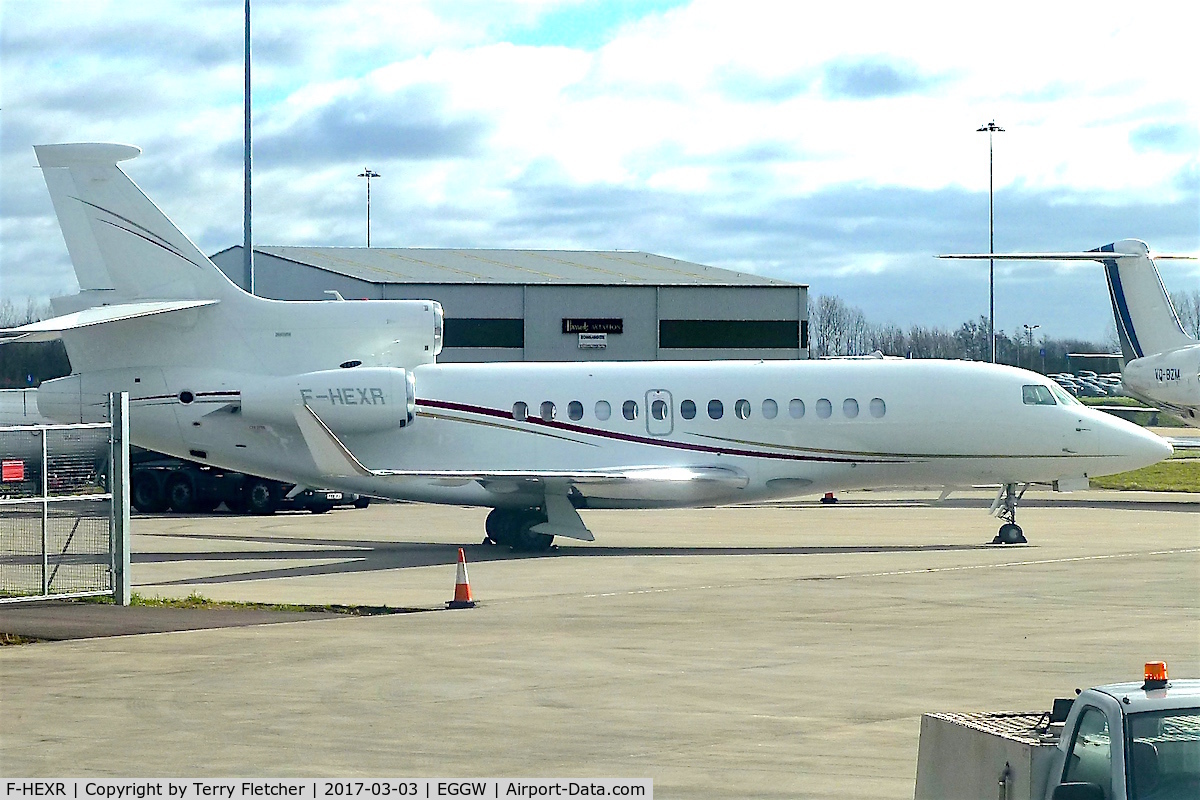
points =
(368, 173)
(247, 239)
(991, 128)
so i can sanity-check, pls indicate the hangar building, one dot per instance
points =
(553, 305)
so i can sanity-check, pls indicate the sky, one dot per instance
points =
(828, 144)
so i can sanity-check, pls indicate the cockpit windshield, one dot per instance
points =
(1037, 395)
(1063, 396)
(1164, 754)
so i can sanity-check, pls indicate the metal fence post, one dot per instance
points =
(119, 417)
(45, 515)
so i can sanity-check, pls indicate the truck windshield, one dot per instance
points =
(1164, 754)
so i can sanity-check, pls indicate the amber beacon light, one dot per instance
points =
(1156, 675)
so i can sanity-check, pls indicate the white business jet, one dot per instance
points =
(348, 395)
(1162, 363)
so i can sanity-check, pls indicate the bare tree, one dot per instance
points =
(1187, 306)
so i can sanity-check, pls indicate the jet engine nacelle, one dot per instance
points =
(356, 400)
(1170, 377)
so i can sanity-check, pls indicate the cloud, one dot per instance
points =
(412, 124)
(1166, 138)
(869, 78)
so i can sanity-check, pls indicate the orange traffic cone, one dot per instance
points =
(462, 587)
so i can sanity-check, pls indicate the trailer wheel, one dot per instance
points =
(261, 496)
(146, 494)
(320, 508)
(362, 502)
(181, 493)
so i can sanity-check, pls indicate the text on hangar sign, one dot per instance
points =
(592, 325)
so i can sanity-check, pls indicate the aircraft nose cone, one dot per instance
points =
(1147, 448)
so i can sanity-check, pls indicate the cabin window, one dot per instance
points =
(824, 408)
(520, 411)
(658, 410)
(575, 410)
(796, 408)
(629, 410)
(742, 409)
(850, 407)
(878, 407)
(716, 409)
(1037, 396)
(603, 410)
(770, 409)
(687, 409)
(547, 411)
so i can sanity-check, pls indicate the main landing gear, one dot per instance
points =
(513, 527)
(1005, 507)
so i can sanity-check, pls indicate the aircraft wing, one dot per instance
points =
(335, 460)
(48, 329)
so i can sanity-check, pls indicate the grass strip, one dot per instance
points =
(196, 600)
(1172, 475)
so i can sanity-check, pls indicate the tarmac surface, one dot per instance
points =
(773, 651)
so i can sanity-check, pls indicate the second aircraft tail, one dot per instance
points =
(1145, 317)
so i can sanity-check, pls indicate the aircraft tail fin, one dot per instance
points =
(1146, 319)
(122, 246)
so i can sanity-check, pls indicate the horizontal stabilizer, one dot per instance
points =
(1088, 255)
(48, 329)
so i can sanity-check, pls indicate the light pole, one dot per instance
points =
(1029, 329)
(247, 237)
(368, 174)
(991, 128)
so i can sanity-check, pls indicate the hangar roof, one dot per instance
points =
(585, 267)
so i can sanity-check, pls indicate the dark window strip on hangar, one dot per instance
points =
(484, 333)
(715, 334)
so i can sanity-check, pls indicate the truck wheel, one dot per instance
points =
(146, 494)
(262, 496)
(181, 493)
(236, 505)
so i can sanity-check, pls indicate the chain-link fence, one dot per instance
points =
(63, 510)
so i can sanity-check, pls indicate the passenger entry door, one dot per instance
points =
(660, 419)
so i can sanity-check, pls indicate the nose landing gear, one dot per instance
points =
(1005, 507)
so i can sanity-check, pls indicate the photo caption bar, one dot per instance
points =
(325, 789)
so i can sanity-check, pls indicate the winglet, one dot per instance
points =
(331, 456)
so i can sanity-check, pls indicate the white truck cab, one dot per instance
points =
(1123, 741)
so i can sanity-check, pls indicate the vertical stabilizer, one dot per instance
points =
(122, 245)
(1146, 319)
